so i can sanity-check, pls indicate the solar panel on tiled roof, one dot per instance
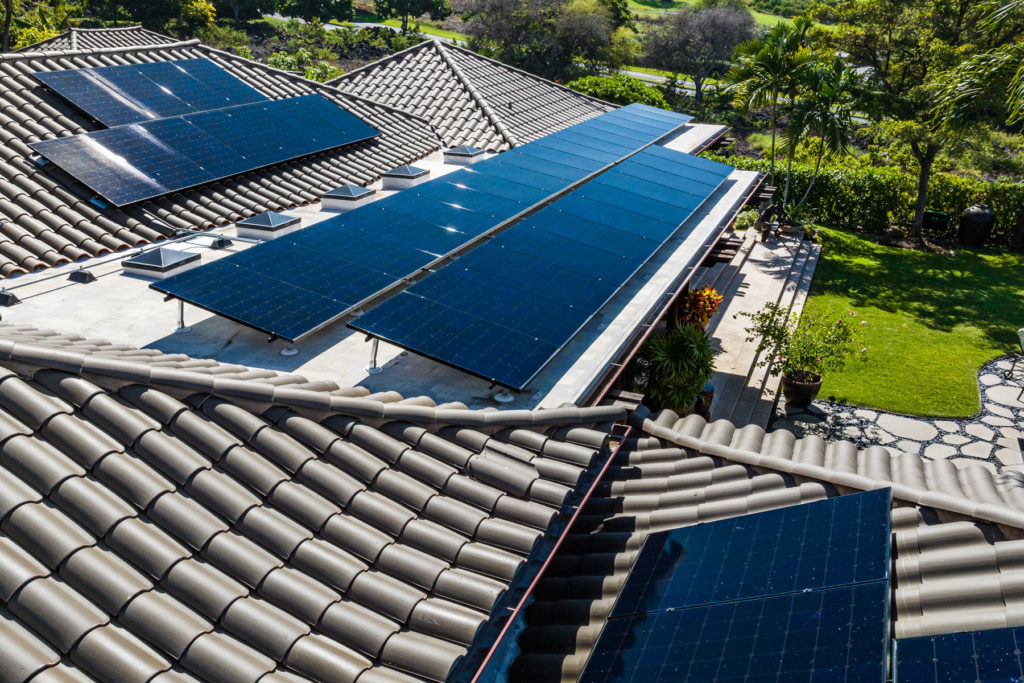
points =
(130, 93)
(986, 656)
(399, 235)
(796, 594)
(837, 634)
(130, 163)
(532, 302)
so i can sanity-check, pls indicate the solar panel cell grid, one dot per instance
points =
(837, 634)
(133, 162)
(839, 541)
(990, 656)
(132, 93)
(614, 220)
(436, 218)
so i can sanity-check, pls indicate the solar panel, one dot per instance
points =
(833, 542)
(991, 656)
(398, 235)
(795, 594)
(139, 161)
(131, 93)
(566, 260)
(838, 634)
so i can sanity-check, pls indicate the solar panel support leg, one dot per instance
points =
(374, 369)
(182, 328)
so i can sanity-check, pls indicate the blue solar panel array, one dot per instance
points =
(762, 597)
(838, 634)
(375, 246)
(505, 309)
(993, 656)
(130, 93)
(843, 541)
(139, 161)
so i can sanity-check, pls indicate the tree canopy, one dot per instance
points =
(437, 9)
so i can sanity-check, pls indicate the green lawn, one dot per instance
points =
(652, 6)
(932, 321)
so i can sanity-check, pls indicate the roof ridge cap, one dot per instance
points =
(949, 502)
(487, 109)
(78, 363)
(382, 60)
(535, 77)
(36, 54)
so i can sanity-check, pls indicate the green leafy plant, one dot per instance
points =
(806, 346)
(619, 89)
(874, 199)
(745, 219)
(674, 366)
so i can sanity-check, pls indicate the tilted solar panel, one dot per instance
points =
(991, 656)
(130, 93)
(838, 634)
(796, 594)
(397, 236)
(129, 163)
(536, 284)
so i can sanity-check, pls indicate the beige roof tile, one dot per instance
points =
(469, 99)
(141, 534)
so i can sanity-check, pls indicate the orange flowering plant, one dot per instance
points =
(700, 305)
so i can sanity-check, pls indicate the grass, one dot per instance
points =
(427, 29)
(932, 321)
(655, 6)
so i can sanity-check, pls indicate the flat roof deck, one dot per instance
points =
(122, 308)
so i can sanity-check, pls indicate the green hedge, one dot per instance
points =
(874, 199)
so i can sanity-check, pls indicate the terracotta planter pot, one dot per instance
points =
(800, 394)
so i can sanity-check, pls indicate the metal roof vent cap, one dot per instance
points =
(267, 225)
(346, 197)
(405, 176)
(160, 263)
(463, 155)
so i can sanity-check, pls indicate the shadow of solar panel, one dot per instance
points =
(611, 214)
(837, 634)
(833, 542)
(992, 656)
(140, 161)
(132, 93)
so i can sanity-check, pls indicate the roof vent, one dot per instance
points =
(346, 197)
(463, 155)
(160, 263)
(267, 225)
(405, 176)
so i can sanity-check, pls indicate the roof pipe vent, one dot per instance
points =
(463, 155)
(267, 226)
(405, 176)
(346, 197)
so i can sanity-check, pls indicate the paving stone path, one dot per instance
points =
(993, 437)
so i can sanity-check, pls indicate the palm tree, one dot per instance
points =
(1000, 70)
(825, 110)
(769, 67)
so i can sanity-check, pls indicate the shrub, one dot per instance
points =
(619, 89)
(674, 366)
(802, 347)
(875, 198)
(745, 219)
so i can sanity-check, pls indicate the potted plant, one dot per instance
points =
(699, 305)
(674, 367)
(803, 348)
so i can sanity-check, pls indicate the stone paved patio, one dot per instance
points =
(993, 437)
